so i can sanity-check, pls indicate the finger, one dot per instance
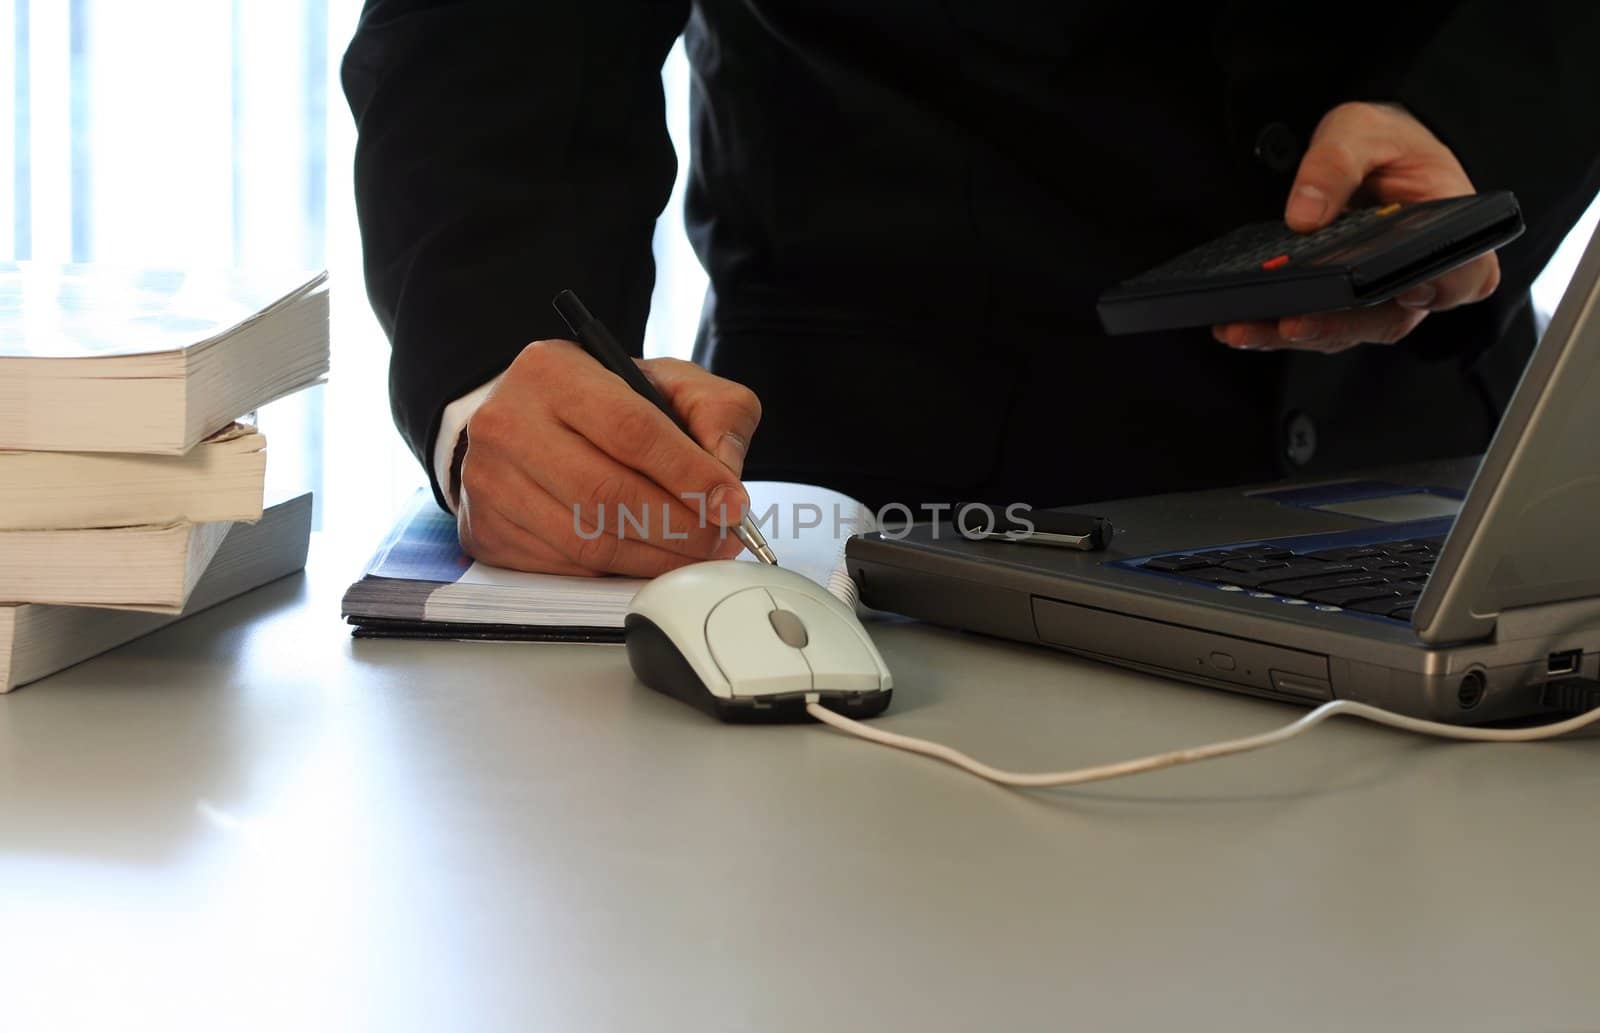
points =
(1348, 144)
(610, 549)
(488, 537)
(1265, 337)
(601, 493)
(1245, 336)
(721, 414)
(1326, 332)
(599, 406)
(1470, 283)
(1377, 146)
(639, 436)
(1333, 169)
(1380, 324)
(1333, 332)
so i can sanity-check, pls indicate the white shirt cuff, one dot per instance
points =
(451, 423)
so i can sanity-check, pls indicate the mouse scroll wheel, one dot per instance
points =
(789, 628)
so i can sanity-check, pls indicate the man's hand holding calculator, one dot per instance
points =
(1382, 155)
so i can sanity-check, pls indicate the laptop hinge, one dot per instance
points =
(1572, 624)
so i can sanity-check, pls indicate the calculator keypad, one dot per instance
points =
(1264, 245)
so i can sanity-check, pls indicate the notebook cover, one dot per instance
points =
(367, 627)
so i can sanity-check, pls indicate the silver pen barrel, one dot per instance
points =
(753, 540)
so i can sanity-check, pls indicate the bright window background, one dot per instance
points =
(213, 132)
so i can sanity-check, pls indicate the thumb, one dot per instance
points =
(722, 415)
(1330, 173)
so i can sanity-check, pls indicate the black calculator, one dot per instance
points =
(1266, 270)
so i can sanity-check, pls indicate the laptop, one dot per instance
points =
(1464, 591)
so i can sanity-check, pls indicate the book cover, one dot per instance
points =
(80, 311)
(37, 640)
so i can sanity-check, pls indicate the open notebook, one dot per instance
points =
(421, 585)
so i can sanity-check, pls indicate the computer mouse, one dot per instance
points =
(749, 642)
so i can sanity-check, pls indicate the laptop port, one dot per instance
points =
(1561, 664)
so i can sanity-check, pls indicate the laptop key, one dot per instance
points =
(1178, 564)
(1222, 555)
(1302, 586)
(1223, 576)
(1296, 572)
(1384, 605)
(1267, 552)
(1346, 555)
(1354, 594)
(1252, 566)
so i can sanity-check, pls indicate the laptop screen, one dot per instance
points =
(1527, 533)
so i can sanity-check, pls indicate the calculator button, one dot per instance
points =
(1388, 209)
(1276, 263)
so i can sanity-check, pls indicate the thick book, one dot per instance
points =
(148, 567)
(37, 641)
(94, 359)
(421, 585)
(222, 478)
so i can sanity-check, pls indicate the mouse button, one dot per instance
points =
(789, 627)
(752, 657)
(840, 660)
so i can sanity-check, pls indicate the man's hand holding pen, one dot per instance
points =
(569, 471)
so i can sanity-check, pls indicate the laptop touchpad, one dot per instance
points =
(1396, 509)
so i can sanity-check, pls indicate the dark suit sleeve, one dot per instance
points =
(506, 149)
(1511, 89)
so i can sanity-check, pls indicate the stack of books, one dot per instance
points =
(131, 483)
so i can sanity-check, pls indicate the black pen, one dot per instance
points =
(598, 342)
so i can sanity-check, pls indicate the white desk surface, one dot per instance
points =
(251, 821)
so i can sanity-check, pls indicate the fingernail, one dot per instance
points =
(727, 504)
(731, 450)
(1307, 206)
(1420, 296)
(1303, 330)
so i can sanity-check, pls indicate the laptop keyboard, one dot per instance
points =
(1385, 579)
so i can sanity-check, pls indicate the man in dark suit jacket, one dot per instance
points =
(906, 210)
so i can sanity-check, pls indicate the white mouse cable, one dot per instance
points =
(1155, 762)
